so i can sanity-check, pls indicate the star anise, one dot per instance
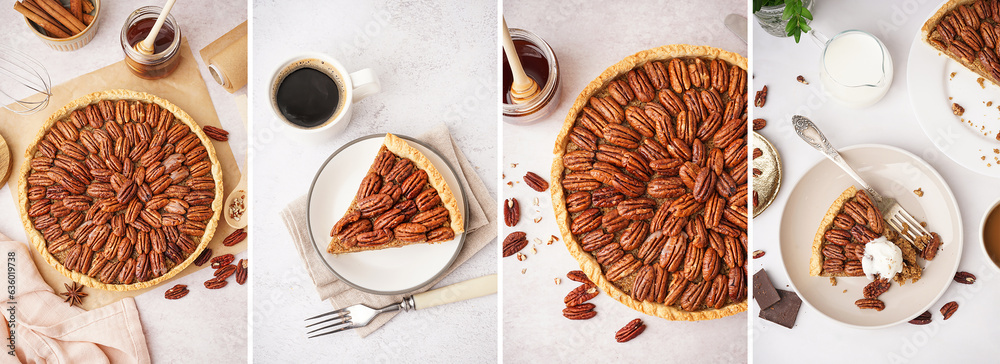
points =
(74, 294)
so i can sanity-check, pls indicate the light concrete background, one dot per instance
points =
(437, 64)
(587, 38)
(218, 317)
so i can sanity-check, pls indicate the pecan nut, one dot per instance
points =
(579, 276)
(176, 292)
(876, 288)
(580, 312)
(949, 309)
(922, 319)
(760, 98)
(535, 182)
(514, 242)
(630, 331)
(511, 212)
(870, 303)
(235, 237)
(580, 294)
(965, 278)
(218, 134)
(440, 234)
(241, 272)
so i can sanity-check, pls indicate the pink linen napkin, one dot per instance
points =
(45, 329)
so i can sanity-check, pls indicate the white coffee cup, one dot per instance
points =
(353, 87)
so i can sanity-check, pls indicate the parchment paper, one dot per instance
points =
(186, 89)
(229, 55)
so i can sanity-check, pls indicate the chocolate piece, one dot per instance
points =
(785, 311)
(763, 290)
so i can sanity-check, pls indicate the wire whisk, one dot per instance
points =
(20, 74)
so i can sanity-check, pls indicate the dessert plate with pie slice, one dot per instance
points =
(893, 172)
(398, 267)
(936, 81)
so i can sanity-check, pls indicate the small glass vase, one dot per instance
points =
(769, 18)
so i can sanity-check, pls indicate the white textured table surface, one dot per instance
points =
(219, 318)
(891, 121)
(436, 64)
(587, 39)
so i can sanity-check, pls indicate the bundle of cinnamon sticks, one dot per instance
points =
(57, 20)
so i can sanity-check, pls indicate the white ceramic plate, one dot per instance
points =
(965, 139)
(895, 173)
(387, 271)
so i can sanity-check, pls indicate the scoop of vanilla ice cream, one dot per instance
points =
(882, 257)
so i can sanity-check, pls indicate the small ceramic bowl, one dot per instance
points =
(982, 234)
(76, 41)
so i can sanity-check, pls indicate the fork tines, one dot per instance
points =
(342, 318)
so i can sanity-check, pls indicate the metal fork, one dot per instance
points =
(897, 217)
(360, 315)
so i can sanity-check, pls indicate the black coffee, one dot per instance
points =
(308, 97)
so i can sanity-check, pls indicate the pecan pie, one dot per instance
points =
(968, 32)
(850, 223)
(120, 190)
(649, 183)
(402, 200)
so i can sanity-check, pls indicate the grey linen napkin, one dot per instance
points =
(481, 229)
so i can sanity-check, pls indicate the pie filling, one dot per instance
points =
(402, 200)
(654, 174)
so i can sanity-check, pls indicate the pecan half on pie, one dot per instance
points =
(968, 32)
(853, 221)
(120, 190)
(402, 200)
(650, 182)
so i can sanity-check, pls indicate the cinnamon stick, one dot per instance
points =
(31, 5)
(88, 6)
(76, 8)
(62, 15)
(50, 28)
(87, 18)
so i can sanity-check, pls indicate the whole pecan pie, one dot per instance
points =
(851, 222)
(968, 32)
(650, 182)
(120, 190)
(402, 200)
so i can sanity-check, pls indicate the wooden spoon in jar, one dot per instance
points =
(146, 45)
(523, 89)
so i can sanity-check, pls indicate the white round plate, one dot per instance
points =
(966, 139)
(387, 271)
(894, 173)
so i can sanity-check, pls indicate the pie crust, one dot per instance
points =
(935, 38)
(587, 261)
(39, 242)
(401, 149)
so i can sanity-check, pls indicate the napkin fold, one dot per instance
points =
(480, 230)
(47, 330)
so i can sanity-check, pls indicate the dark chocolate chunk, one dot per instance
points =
(763, 290)
(785, 311)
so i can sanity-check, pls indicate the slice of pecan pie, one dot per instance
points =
(850, 223)
(402, 200)
(968, 32)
